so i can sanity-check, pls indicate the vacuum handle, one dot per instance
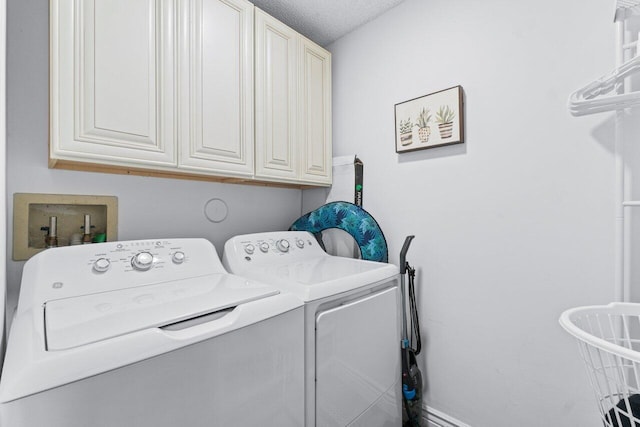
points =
(403, 254)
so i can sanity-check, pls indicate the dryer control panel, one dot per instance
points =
(295, 262)
(272, 247)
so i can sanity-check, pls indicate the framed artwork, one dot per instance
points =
(431, 120)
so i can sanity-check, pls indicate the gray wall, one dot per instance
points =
(512, 227)
(148, 207)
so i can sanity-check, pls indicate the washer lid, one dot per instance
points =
(73, 322)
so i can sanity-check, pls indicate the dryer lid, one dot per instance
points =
(77, 321)
(322, 276)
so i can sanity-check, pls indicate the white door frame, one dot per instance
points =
(3, 173)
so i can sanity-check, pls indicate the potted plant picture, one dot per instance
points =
(406, 133)
(415, 120)
(424, 131)
(444, 117)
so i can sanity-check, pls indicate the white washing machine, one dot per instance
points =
(352, 324)
(150, 333)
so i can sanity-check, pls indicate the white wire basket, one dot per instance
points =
(609, 341)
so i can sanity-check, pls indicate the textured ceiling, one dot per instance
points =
(324, 21)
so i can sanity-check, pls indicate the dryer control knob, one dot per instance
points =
(142, 261)
(249, 249)
(300, 243)
(178, 257)
(283, 245)
(101, 265)
(264, 247)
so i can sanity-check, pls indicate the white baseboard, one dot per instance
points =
(433, 418)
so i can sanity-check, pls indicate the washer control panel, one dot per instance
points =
(79, 270)
(141, 256)
(282, 245)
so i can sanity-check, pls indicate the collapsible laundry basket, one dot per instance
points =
(609, 341)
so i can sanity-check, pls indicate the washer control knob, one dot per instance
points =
(142, 261)
(249, 249)
(178, 257)
(282, 245)
(264, 247)
(101, 265)
(300, 243)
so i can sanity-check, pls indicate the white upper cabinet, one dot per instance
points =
(112, 81)
(276, 98)
(216, 87)
(315, 113)
(168, 87)
(293, 105)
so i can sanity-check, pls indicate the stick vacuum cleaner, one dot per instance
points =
(411, 344)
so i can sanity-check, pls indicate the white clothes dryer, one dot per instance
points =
(150, 333)
(352, 324)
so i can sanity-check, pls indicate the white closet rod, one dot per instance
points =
(584, 101)
(612, 93)
(625, 8)
(621, 250)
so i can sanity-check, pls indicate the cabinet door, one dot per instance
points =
(112, 82)
(216, 87)
(276, 57)
(315, 111)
